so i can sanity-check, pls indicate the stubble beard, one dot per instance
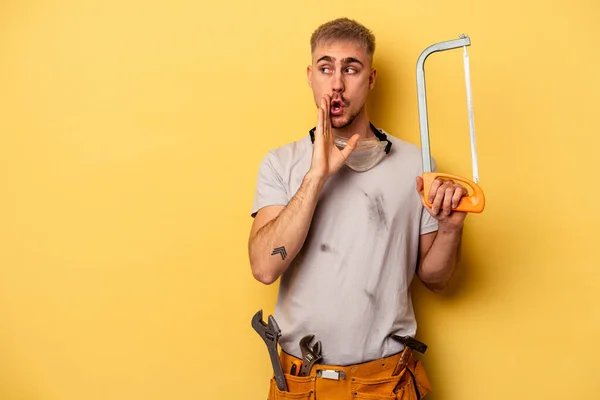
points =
(345, 122)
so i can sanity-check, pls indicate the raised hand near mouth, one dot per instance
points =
(327, 159)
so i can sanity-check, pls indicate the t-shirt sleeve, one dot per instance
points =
(428, 223)
(270, 185)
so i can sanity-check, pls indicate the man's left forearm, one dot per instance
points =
(437, 267)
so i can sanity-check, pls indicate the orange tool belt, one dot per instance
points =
(399, 376)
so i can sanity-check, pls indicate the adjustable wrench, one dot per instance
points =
(309, 355)
(270, 333)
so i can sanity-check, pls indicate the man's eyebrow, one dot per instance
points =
(345, 61)
(350, 60)
(326, 58)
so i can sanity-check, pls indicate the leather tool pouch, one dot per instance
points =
(299, 388)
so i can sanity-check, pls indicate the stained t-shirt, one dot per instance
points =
(349, 284)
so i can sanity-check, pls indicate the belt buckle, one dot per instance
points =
(332, 374)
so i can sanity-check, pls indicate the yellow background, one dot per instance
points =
(130, 137)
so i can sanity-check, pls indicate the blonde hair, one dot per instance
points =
(344, 29)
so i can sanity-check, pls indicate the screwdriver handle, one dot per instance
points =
(474, 203)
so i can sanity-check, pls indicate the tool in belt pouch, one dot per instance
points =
(270, 333)
(409, 345)
(310, 355)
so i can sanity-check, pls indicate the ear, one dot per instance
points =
(309, 75)
(372, 78)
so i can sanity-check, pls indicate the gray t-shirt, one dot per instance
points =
(349, 284)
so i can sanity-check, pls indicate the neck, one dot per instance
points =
(360, 125)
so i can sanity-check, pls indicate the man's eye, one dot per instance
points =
(325, 70)
(350, 70)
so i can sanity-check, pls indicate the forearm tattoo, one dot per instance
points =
(281, 251)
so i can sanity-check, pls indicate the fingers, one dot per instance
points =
(458, 194)
(320, 122)
(420, 189)
(419, 184)
(350, 146)
(448, 195)
(445, 195)
(438, 196)
(327, 117)
(435, 185)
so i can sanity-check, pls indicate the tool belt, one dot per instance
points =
(399, 376)
(394, 377)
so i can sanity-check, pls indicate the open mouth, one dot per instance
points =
(337, 107)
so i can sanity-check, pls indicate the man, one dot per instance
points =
(339, 215)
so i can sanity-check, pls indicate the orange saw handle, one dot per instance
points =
(474, 203)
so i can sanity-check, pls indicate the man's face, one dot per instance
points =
(343, 70)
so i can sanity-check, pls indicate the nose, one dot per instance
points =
(338, 82)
